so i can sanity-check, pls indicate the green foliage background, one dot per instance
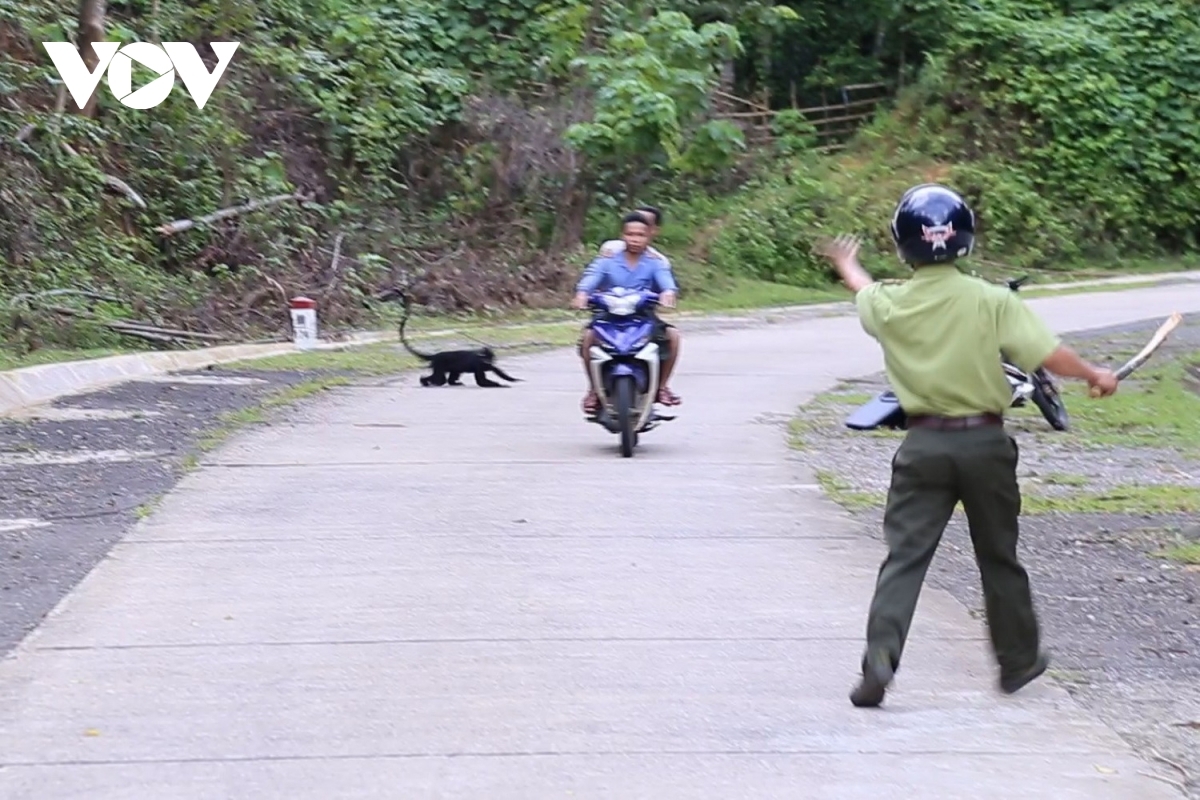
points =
(486, 147)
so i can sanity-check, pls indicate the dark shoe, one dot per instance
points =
(877, 675)
(1010, 684)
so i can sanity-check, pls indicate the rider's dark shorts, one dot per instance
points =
(659, 337)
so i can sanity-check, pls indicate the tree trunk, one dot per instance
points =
(575, 200)
(91, 29)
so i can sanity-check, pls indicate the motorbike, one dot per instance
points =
(1037, 387)
(625, 365)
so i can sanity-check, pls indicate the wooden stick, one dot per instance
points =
(742, 100)
(1155, 342)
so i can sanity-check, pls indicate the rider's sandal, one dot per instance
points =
(667, 397)
(591, 404)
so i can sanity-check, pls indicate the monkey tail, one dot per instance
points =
(426, 357)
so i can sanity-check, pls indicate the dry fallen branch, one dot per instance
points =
(147, 327)
(181, 225)
(140, 330)
(121, 187)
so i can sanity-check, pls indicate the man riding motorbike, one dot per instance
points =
(655, 216)
(634, 267)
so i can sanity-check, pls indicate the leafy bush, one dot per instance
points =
(650, 84)
(1100, 112)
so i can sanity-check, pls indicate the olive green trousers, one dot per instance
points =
(932, 471)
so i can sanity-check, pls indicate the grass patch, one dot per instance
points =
(1153, 408)
(798, 427)
(234, 421)
(1099, 269)
(147, 508)
(703, 290)
(839, 398)
(1184, 554)
(1129, 499)
(837, 401)
(1093, 289)
(368, 360)
(846, 496)
(745, 294)
(10, 360)
(1062, 479)
(1126, 499)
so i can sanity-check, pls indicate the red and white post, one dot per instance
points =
(304, 322)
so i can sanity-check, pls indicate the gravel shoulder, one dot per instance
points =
(1110, 533)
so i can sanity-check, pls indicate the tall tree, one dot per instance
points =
(91, 29)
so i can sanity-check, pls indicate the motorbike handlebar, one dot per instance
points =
(595, 301)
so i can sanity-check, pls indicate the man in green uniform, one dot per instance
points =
(942, 333)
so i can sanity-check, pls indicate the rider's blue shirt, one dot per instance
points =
(651, 272)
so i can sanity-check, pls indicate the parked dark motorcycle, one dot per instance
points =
(1037, 387)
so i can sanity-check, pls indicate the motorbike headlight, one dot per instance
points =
(621, 306)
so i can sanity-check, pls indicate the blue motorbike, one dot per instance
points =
(625, 365)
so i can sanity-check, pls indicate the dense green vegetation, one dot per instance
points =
(1075, 133)
(484, 148)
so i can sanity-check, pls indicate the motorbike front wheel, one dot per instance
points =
(623, 394)
(1046, 397)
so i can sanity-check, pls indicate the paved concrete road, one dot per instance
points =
(459, 593)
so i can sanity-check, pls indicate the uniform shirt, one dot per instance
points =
(942, 333)
(607, 272)
(614, 246)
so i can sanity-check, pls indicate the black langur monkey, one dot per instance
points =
(450, 365)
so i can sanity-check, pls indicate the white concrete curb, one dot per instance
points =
(32, 386)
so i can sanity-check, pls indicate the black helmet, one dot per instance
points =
(933, 225)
